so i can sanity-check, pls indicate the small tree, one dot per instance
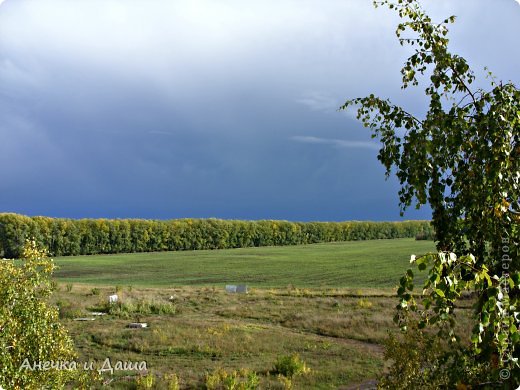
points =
(463, 159)
(30, 333)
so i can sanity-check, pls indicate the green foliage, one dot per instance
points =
(65, 237)
(364, 304)
(463, 159)
(290, 366)
(235, 380)
(30, 333)
(145, 381)
(424, 361)
(172, 381)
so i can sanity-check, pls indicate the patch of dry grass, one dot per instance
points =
(339, 338)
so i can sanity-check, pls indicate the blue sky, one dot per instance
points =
(226, 109)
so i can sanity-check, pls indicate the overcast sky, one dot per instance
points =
(226, 109)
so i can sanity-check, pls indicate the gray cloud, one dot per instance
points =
(202, 108)
(317, 101)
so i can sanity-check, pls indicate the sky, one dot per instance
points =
(202, 108)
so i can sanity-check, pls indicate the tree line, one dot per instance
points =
(70, 237)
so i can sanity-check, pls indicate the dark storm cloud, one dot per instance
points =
(197, 109)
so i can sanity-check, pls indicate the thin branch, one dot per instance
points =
(461, 100)
(463, 83)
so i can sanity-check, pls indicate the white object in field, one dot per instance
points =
(138, 325)
(231, 288)
(97, 313)
(84, 319)
(113, 298)
(241, 288)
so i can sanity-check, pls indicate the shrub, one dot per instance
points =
(29, 328)
(145, 381)
(290, 366)
(235, 380)
(364, 304)
(172, 381)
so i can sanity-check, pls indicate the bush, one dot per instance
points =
(235, 380)
(172, 381)
(145, 381)
(290, 366)
(364, 304)
(30, 332)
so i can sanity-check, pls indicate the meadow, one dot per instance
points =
(329, 304)
(351, 264)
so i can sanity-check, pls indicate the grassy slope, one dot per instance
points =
(355, 264)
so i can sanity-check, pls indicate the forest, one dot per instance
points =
(70, 237)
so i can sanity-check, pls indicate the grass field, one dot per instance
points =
(332, 304)
(355, 264)
(202, 331)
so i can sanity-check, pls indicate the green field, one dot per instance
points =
(332, 304)
(356, 264)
